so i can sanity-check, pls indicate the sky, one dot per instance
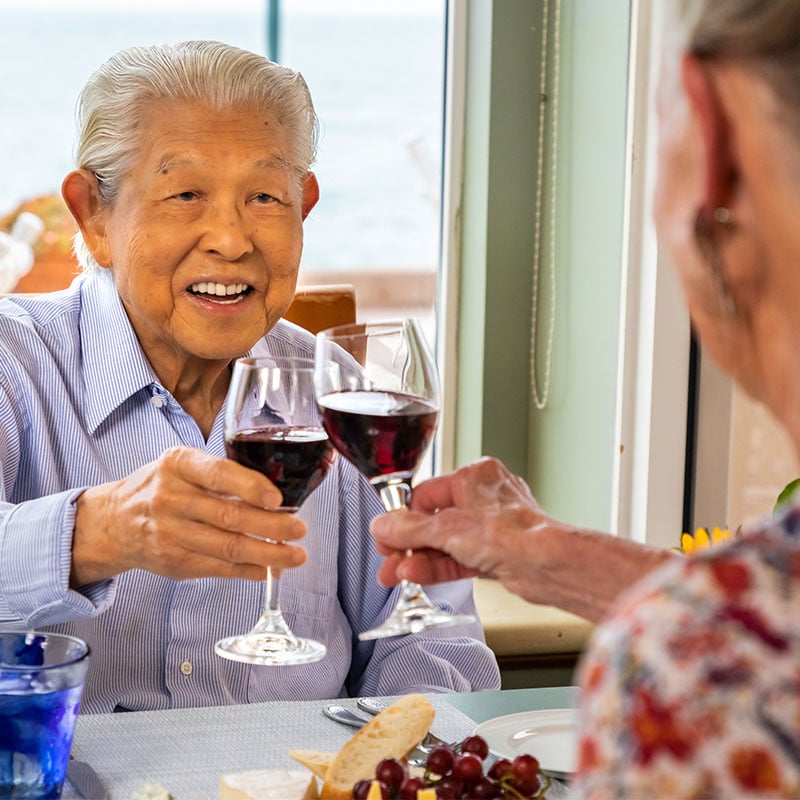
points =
(341, 6)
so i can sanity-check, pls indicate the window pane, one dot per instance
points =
(51, 48)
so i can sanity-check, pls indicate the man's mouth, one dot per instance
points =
(221, 292)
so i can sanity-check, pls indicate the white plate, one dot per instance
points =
(551, 735)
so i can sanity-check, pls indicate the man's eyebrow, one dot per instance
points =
(168, 163)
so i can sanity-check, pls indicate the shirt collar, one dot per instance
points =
(115, 368)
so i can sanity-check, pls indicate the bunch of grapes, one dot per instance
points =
(456, 776)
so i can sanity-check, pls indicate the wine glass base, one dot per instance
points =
(414, 620)
(270, 649)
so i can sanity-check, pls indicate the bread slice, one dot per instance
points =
(315, 760)
(393, 733)
(268, 784)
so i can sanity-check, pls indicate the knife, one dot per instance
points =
(85, 781)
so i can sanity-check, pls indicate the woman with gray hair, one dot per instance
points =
(691, 686)
(121, 520)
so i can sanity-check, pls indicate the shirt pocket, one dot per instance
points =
(308, 614)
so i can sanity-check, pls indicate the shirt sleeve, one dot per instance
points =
(690, 689)
(35, 563)
(452, 659)
(36, 544)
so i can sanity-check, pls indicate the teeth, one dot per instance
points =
(218, 289)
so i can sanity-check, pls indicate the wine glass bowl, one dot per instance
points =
(378, 392)
(272, 425)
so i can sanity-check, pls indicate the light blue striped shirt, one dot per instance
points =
(80, 405)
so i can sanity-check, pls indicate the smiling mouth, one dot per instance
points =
(225, 293)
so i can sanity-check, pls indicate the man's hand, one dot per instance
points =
(186, 515)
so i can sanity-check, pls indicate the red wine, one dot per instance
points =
(381, 433)
(294, 459)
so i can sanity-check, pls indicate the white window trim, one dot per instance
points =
(450, 262)
(650, 439)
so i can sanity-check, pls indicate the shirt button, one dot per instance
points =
(186, 668)
(157, 402)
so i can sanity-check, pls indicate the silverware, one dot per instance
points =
(85, 781)
(343, 715)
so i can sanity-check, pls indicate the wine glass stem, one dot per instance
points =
(394, 495)
(271, 607)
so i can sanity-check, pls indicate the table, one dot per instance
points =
(187, 750)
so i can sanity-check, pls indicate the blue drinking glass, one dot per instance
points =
(41, 683)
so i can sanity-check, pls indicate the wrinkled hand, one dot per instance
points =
(466, 524)
(186, 515)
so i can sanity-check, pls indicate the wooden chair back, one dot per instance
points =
(322, 306)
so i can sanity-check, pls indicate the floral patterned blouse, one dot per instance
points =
(691, 689)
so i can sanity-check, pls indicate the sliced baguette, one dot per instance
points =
(315, 760)
(393, 733)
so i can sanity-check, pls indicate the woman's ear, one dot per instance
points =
(81, 193)
(721, 173)
(310, 193)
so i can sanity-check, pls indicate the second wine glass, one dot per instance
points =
(272, 425)
(378, 391)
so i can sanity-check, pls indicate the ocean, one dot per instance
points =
(376, 77)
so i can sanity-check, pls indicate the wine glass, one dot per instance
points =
(378, 392)
(272, 425)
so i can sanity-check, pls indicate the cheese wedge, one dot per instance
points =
(375, 791)
(315, 760)
(268, 784)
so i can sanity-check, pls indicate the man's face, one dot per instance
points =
(205, 237)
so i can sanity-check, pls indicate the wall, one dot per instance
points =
(564, 451)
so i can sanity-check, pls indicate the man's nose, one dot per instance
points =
(227, 233)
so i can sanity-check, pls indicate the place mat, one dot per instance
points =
(188, 750)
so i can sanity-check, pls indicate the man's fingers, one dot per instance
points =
(233, 514)
(223, 477)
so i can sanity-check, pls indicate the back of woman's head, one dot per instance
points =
(221, 76)
(763, 33)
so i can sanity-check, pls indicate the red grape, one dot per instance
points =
(449, 789)
(499, 769)
(526, 788)
(476, 745)
(409, 787)
(525, 767)
(361, 790)
(440, 760)
(468, 768)
(390, 771)
(484, 789)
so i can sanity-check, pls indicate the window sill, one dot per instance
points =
(514, 627)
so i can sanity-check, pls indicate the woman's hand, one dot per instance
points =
(483, 521)
(461, 525)
(186, 515)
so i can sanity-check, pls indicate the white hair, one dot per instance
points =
(221, 76)
(763, 33)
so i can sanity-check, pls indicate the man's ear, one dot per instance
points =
(310, 193)
(721, 173)
(81, 193)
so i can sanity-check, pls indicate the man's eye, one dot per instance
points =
(186, 196)
(264, 198)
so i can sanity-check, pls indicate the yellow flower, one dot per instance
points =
(702, 539)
